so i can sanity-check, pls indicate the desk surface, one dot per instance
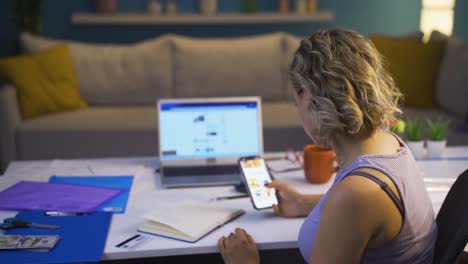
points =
(268, 230)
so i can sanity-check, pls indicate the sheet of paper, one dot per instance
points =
(27, 195)
(81, 168)
(281, 165)
(442, 168)
(439, 184)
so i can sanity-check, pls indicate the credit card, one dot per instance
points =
(134, 241)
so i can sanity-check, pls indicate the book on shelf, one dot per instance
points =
(187, 221)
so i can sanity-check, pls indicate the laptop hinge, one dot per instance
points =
(210, 161)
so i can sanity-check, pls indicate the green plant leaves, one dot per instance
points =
(437, 129)
(414, 129)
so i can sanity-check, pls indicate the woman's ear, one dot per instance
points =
(304, 96)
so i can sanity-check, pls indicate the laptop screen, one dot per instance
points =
(210, 129)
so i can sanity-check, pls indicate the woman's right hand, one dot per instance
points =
(291, 202)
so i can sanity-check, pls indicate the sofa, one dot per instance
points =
(121, 84)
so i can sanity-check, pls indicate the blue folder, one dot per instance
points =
(116, 205)
(82, 238)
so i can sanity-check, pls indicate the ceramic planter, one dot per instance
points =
(417, 148)
(435, 149)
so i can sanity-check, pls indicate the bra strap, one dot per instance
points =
(384, 187)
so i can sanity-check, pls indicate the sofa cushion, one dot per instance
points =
(130, 131)
(292, 44)
(452, 84)
(456, 135)
(424, 113)
(414, 66)
(92, 132)
(45, 82)
(280, 114)
(136, 74)
(230, 67)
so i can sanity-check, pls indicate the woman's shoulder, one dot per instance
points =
(368, 203)
(352, 203)
(365, 196)
(364, 185)
(355, 188)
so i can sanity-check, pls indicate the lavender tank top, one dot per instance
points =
(416, 240)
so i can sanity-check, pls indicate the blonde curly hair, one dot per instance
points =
(352, 94)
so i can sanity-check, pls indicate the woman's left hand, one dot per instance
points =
(238, 247)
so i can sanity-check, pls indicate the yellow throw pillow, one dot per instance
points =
(414, 66)
(45, 82)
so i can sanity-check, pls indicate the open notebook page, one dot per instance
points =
(192, 219)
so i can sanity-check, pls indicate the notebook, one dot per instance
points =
(200, 140)
(187, 221)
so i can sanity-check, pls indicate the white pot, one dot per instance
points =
(435, 149)
(417, 148)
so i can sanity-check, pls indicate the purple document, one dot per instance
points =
(27, 195)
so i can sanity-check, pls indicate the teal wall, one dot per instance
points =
(365, 16)
(460, 25)
(8, 28)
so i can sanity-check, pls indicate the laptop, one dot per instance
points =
(201, 140)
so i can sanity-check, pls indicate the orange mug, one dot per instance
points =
(318, 163)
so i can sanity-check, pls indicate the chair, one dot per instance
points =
(452, 222)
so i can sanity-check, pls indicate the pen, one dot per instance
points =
(232, 197)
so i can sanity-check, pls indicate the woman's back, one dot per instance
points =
(416, 240)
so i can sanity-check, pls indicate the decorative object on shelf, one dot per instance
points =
(154, 7)
(283, 6)
(180, 19)
(106, 6)
(171, 7)
(301, 7)
(29, 15)
(312, 6)
(208, 7)
(250, 6)
(414, 139)
(437, 137)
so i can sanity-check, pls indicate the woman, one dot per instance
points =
(377, 210)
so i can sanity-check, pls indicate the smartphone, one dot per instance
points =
(255, 175)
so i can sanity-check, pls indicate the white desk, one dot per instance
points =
(268, 230)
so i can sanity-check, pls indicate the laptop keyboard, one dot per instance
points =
(201, 170)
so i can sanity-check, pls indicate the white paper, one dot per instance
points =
(88, 168)
(281, 165)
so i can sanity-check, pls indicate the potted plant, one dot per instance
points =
(250, 6)
(414, 141)
(28, 13)
(437, 137)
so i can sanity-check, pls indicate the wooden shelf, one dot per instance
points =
(226, 18)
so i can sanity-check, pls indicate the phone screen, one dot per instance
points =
(256, 175)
